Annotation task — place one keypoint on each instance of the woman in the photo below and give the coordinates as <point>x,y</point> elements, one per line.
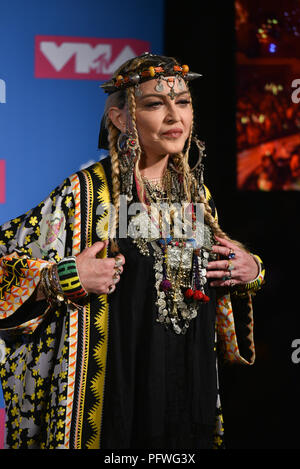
<point>109,310</point>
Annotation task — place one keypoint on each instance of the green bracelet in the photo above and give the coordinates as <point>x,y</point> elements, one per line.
<point>69,279</point>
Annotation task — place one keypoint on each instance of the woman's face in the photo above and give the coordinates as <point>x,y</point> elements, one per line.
<point>163,123</point>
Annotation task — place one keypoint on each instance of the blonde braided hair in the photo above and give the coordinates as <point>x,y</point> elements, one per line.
<point>132,111</point>
<point>113,134</point>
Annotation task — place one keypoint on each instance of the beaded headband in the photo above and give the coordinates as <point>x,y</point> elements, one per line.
<point>165,67</point>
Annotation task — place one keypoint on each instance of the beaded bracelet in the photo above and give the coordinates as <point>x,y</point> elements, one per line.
<point>253,286</point>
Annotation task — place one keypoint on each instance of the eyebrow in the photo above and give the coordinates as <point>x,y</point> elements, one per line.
<point>159,95</point>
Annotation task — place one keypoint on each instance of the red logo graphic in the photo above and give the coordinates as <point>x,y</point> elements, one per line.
<point>83,58</point>
<point>2,181</point>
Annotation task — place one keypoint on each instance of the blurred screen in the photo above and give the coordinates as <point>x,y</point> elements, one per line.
<point>268,94</point>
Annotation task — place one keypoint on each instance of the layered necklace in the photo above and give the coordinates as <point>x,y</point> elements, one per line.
<point>179,261</point>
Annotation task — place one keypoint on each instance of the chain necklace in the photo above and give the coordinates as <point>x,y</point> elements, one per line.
<point>156,189</point>
<point>179,265</point>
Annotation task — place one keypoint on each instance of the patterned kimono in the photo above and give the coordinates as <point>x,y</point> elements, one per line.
<point>69,373</point>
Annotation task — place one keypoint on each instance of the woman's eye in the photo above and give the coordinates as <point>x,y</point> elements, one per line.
<point>183,101</point>
<point>153,104</point>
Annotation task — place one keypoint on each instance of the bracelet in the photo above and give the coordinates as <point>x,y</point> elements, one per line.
<point>69,280</point>
<point>61,282</point>
<point>50,288</point>
<point>255,285</point>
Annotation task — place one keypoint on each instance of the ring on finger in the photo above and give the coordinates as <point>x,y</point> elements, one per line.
<point>231,254</point>
<point>230,265</point>
<point>226,277</point>
<point>110,289</point>
<point>118,262</point>
<point>116,277</point>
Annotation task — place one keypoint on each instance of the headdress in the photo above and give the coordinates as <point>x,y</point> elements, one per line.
<point>131,75</point>
<point>148,67</point>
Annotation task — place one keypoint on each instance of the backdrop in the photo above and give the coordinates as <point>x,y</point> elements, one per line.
<point>54,55</point>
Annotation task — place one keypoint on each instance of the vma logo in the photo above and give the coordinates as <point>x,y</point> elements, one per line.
<point>2,181</point>
<point>83,58</point>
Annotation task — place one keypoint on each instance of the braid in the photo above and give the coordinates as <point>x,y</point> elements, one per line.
<point>132,111</point>
<point>113,134</point>
<point>181,162</point>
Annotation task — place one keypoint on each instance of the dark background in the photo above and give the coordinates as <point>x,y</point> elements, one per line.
<point>260,402</point>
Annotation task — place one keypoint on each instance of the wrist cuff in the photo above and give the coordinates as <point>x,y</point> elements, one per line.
<point>256,284</point>
<point>69,279</point>
<point>60,282</point>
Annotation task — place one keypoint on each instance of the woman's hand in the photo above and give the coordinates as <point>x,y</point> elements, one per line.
<point>227,272</point>
<point>99,275</point>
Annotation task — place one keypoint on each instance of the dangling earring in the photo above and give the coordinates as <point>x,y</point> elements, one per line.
<point>198,169</point>
<point>127,146</point>
<point>126,143</point>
